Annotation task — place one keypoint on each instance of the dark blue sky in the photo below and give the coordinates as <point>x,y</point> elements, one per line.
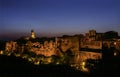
<point>57,17</point>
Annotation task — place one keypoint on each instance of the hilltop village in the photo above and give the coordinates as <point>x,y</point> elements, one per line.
<point>73,50</point>
<point>51,46</point>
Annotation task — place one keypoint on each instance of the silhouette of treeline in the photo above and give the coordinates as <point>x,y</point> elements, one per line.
<point>22,40</point>
<point>2,45</point>
<point>111,35</point>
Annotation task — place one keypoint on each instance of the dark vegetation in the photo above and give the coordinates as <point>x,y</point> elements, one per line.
<point>111,35</point>
<point>11,66</point>
<point>18,67</point>
<point>22,40</point>
<point>2,45</point>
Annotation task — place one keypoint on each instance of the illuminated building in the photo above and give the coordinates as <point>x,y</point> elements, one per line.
<point>32,34</point>
<point>11,46</point>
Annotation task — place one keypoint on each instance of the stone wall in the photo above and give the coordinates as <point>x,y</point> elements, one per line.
<point>91,44</point>
<point>84,55</point>
<point>69,43</point>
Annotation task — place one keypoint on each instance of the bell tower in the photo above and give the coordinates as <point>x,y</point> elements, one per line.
<point>32,34</point>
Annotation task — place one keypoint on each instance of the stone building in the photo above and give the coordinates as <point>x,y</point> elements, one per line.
<point>69,43</point>
<point>91,44</point>
<point>48,48</point>
<point>11,46</point>
<point>93,35</point>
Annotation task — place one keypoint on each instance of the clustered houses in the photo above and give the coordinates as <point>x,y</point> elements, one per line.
<point>93,35</point>
<point>46,49</point>
<point>11,46</point>
<point>95,40</point>
<point>73,43</point>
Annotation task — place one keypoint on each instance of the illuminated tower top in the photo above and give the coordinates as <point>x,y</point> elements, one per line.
<point>32,34</point>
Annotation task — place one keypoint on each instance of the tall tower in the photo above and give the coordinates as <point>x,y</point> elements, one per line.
<point>32,34</point>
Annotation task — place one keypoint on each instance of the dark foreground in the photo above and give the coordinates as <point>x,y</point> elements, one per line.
<point>17,67</point>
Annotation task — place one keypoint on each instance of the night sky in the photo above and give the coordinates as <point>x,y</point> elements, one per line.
<point>57,17</point>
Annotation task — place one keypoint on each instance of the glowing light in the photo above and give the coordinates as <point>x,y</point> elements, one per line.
<point>57,63</point>
<point>83,67</point>
<point>29,59</point>
<point>115,54</point>
<point>114,43</point>
<point>17,55</point>
<point>9,54</point>
<point>82,63</point>
<point>1,52</point>
<point>37,63</point>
